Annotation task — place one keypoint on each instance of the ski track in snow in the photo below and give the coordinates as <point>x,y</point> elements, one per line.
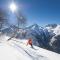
<point>19,51</point>
<point>29,52</point>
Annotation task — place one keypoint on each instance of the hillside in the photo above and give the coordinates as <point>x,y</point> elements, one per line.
<point>16,49</point>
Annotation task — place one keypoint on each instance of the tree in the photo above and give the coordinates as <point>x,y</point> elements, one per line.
<point>3,19</point>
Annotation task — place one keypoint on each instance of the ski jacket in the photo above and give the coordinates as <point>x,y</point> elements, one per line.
<point>29,42</point>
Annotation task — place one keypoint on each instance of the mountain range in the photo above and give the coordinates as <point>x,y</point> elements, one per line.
<point>47,37</point>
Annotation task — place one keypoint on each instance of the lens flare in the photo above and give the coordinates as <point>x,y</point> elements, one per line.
<point>13,7</point>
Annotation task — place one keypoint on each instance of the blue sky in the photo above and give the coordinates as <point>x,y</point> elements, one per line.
<point>42,12</point>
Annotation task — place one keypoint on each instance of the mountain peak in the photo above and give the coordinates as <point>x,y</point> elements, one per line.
<point>52,25</point>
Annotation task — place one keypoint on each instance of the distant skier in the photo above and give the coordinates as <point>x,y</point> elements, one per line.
<point>30,42</point>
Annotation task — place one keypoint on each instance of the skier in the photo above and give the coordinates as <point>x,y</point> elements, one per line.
<point>30,42</point>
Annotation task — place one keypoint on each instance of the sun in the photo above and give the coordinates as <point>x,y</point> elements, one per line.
<point>13,7</point>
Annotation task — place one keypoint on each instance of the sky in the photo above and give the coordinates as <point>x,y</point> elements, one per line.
<point>41,12</point>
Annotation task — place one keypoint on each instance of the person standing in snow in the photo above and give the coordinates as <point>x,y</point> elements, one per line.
<point>30,42</point>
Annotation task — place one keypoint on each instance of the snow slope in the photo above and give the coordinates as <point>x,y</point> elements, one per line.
<point>18,50</point>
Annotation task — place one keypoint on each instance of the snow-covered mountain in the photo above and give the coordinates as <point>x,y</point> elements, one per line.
<point>16,49</point>
<point>55,40</point>
<point>47,37</point>
<point>39,35</point>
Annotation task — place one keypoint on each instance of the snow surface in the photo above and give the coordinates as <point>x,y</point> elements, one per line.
<point>55,30</point>
<point>16,49</point>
